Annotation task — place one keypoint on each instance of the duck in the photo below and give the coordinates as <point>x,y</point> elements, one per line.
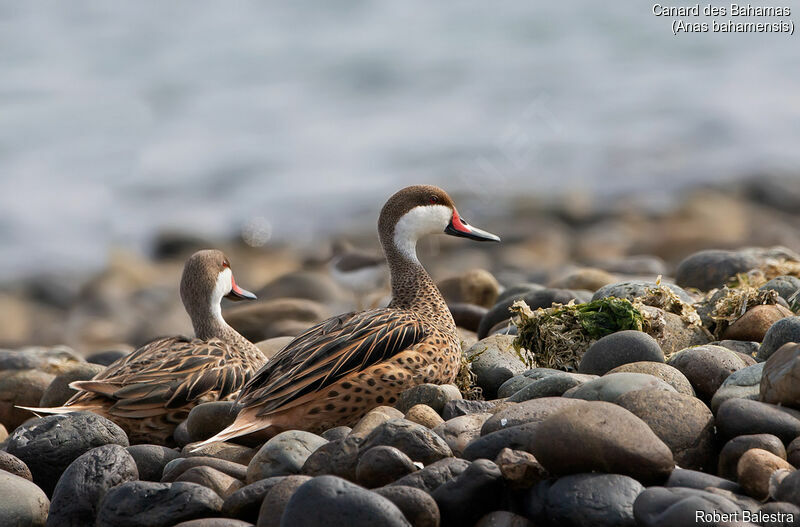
<point>151,390</point>
<point>336,371</point>
<point>357,270</point>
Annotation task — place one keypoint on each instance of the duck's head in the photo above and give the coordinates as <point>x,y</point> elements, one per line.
<point>207,278</point>
<point>424,209</point>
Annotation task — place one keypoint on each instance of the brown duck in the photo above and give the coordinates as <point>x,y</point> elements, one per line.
<point>149,392</point>
<point>341,368</point>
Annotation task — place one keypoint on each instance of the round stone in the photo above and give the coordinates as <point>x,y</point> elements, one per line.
<point>417,506</point>
<point>741,384</point>
<point>276,499</point>
<point>754,324</point>
<point>611,386</point>
<point>706,270</point>
<point>58,391</point>
<point>783,331</point>
<point>21,388</point>
<point>682,422</point>
<point>337,458</point>
<point>326,497</point>
<point>14,465</point>
<point>245,503</point>
<point>737,417</point>
<point>424,415</point>
<point>616,349</point>
<point>755,468</point>
<point>416,441</point>
<point>137,503</point>
<point>785,286</point>
<point>603,437</point>
<point>780,380</point>
<point>593,499</point>
<point>207,419</point>
<point>176,467</point>
<point>733,450</point>
<point>151,460</point>
<point>553,385</point>
<point>665,372</point>
<point>673,506</point>
<point>433,395</point>
<point>533,411</point>
<point>434,475</point>
<point>284,454</point>
<point>459,431</point>
<point>22,503</point>
<point>494,360</point>
<point>473,493</point>
<point>48,445</point>
<point>222,484</point>
<point>81,487</point>
<point>706,367</point>
<point>382,465</point>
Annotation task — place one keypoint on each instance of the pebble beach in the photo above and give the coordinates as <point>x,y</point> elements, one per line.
<point>623,364</point>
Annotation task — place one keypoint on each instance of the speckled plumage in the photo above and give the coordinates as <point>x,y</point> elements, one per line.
<point>338,370</point>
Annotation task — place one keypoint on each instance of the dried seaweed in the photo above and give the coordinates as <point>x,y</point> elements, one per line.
<point>667,300</point>
<point>735,302</point>
<point>466,381</point>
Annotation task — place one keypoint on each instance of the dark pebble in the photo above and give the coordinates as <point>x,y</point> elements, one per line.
<point>381,465</point>
<point>464,407</point>
<point>419,508</point>
<point>473,493</point>
<point>336,433</point>
<point>593,499</point>
<point>416,441</point>
<point>175,468</point>
<point>737,417</point>
<point>467,316</point>
<point>706,270</point>
<point>670,507</point>
<point>706,367</point>
<point>733,450</point>
<point>503,519</point>
<point>518,437</point>
<point>336,458</point>
<point>632,289</point>
<point>138,503</point>
<point>245,503</point>
<point>694,479</point>
<point>214,522</point>
<point>783,331</point>
<point>81,487</point>
<point>151,460</point>
<point>276,500</point>
<point>324,498</point>
<point>207,419</point>
<point>106,358</point>
<point>48,445</point>
<point>616,349</point>
<point>435,474</point>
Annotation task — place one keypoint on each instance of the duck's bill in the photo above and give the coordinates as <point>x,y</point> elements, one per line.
<point>459,227</point>
<point>237,293</point>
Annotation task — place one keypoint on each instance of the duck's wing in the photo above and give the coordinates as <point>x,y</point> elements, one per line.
<point>163,375</point>
<point>330,351</point>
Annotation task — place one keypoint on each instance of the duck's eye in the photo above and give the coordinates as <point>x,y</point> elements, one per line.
<point>433,200</point>
<point>225,263</point>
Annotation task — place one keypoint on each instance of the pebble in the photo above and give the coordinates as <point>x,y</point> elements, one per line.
<point>337,458</point>
<point>741,384</point>
<point>48,445</point>
<point>673,506</point>
<point>710,269</point>
<point>222,484</point>
<point>476,286</point>
<point>793,452</point>
<point>733,450</point>
<point>207,419</point>
<point>276,499</point>
<point>473,493</point>
<point>151,460</point>
<point>284,454</point>
<point>138,503</point>
<point>682,422</point>
<point>459,431</point>
<point>695,479</point>
<point>603,437</point>
<point>783,331</point>
<point>550,386</point>
<point>275,317</point>
<point>419,508</point>
<point>433,395</point>
<point>494,360</point>
<point>488,446</point>
<point>588,278</point>
<point>326,497</point>
<point>785,286</point>
<point>381,465</point>
<point>611,386</point>
<point>746,348</point>
<point>373,418</point>
<point>336,433</point>
<point>22,503</point>
<point>593,499</point>
<point>176,467</point>
<point>464,407</point>
<point>14,465</point>
<point>58,391</point>
<point>620,348</point>
<point>83,484</point>
<point>245,503</point>
<point>532,411</point>
<point>754,470</point>
<point>754,324</point>
<point>677,334</point>
<point>416,441</point>
<point>706,367</point>
<point>21,388</point>
<point>181,435</point>
<point>737,417</point>
<point>3,433</point>
<point>214,522</point>
<point>632,289</point>
<point>780,381</point>
<point>665,372</point>
<point>106,358</point>
<point>432,476</point>
<point>520,469</point>
<point>789,489</point>
<point>467,316</point>
<point>789,512</point>
<point>504,519</point>
<point>424,415</point>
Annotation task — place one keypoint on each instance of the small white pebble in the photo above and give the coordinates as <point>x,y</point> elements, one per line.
<point>503,422</point>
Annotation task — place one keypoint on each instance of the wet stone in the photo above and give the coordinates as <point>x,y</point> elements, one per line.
<point>137,503</point>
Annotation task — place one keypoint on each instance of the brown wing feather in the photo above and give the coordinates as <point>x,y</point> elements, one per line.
<point>165,374</point>
<point>329,351</point>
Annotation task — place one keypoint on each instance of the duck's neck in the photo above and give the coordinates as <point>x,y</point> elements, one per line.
<point>208,324</point>
<point>412,286</point>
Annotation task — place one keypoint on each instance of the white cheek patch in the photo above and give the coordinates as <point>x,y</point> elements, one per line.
<point>417,222</point>
<point>223,287</point>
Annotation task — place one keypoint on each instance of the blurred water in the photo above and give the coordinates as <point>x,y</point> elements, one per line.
<point>117,119</point>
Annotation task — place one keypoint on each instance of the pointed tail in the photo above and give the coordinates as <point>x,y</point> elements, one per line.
<point>243,425</point>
